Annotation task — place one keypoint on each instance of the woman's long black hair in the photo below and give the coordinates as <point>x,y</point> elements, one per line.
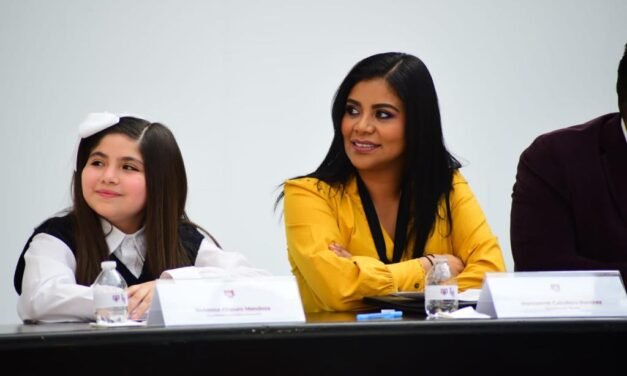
<point>428,168</point>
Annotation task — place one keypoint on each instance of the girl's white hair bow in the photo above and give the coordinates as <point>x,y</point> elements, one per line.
<point>95,122</point>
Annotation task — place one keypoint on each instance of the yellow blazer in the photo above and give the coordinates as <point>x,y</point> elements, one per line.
<point>317,214</point>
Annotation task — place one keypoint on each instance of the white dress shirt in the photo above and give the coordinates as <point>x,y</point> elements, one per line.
<point>49,289</point>
<point>129,249</point>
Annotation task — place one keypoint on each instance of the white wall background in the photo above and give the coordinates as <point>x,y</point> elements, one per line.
<point>246,87</point>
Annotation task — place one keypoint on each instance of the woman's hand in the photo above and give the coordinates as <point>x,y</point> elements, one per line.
<point>339,250</point>
<point>139,299</point>
<point>455,264</point>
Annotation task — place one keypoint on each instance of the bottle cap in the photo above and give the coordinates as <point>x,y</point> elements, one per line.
<point>108,265</point>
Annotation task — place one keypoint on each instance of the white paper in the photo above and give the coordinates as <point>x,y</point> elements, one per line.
<point>464,313</point>
<point>126,323</point>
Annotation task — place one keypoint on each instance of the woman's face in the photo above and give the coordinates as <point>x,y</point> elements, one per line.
<point>373,127</point>
<point>113,182</point>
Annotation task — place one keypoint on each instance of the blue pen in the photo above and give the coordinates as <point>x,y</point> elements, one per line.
<point>383,315</point>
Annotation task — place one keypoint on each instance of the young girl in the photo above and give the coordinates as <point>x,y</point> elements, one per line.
<point>129,192</point>
<point>386,197</point>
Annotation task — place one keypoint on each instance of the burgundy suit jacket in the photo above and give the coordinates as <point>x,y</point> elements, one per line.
<point>569,202</point>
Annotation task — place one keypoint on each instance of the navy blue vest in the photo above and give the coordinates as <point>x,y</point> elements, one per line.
<point>63,229</point>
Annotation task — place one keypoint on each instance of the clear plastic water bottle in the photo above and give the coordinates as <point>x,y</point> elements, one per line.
<point>110,296</point>
<point>440,288</point>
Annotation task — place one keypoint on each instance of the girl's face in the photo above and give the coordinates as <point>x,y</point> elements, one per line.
<point>373,127</point>
<point>114,184</point>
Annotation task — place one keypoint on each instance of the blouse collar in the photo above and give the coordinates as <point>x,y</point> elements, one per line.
<point>114,237</point>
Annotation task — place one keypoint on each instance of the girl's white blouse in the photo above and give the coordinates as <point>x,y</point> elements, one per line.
<point>50,292</point>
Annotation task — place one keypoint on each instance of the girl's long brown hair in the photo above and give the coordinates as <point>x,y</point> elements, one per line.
<point>166,194</point>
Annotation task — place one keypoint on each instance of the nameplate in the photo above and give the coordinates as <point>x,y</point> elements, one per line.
<point>226,301</point>
<point>553,294</point>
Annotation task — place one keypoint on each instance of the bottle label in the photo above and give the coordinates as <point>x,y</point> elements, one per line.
<point>109,296</point>
<point>441,292</point>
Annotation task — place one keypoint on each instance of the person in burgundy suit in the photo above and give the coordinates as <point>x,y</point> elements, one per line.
<point>569,202</point>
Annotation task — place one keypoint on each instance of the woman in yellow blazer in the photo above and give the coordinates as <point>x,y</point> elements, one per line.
<point>387,195</point>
